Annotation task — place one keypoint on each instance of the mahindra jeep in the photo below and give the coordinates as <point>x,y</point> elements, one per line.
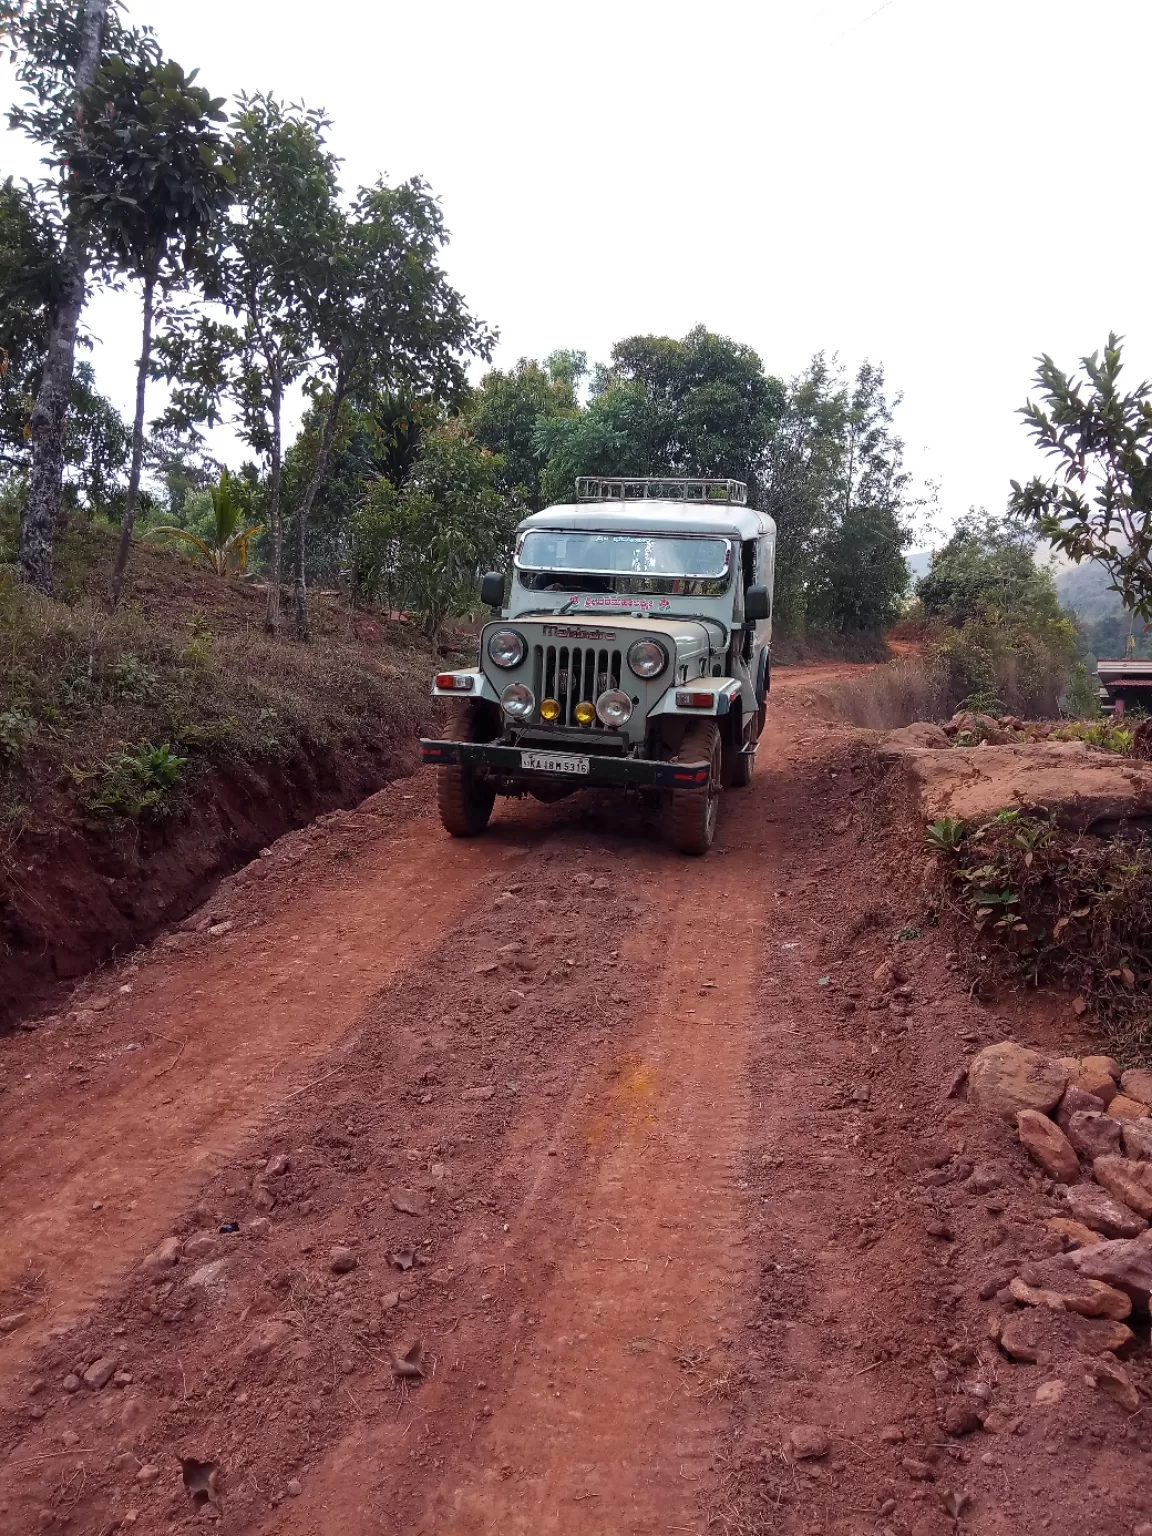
<point>633,653</point>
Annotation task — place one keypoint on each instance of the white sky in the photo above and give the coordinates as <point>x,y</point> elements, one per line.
<point>945,188</point>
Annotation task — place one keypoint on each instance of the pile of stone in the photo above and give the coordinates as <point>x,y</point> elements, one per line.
<point>1089,1128</point>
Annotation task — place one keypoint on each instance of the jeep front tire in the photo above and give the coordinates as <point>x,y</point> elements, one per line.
<point>690,814</point>
<point>464,801</point>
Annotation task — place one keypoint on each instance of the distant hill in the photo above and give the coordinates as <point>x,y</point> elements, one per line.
<point>918,563</point>
<point>1104,621</point>
<point>1085,588</point>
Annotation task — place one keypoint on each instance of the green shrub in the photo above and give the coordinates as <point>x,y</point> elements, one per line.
<point>140,782</point>
<point>16,730</point>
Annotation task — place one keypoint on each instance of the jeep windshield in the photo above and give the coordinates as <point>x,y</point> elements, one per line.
<point>671,565</point>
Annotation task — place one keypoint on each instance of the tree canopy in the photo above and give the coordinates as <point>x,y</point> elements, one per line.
<point>1098,504</point>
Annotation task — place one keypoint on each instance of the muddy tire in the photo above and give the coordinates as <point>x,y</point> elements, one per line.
<point>690,814</point>
<point>465,804</point>
<point>737,765</point>
<point>741,770</point>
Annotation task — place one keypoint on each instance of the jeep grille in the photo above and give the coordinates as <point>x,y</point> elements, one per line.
<point>571,674</point>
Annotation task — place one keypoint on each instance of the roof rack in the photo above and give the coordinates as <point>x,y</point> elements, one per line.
<point>651,488</point>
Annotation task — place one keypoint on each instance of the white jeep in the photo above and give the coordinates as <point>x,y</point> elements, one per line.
<point>633,653</point>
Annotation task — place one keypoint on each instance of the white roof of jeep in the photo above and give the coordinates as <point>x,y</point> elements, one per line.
<point>652,516</point>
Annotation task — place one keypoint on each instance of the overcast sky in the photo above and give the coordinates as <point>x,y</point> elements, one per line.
<point>945,188</point>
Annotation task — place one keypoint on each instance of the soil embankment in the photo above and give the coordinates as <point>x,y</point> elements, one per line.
<point>653,1159</point>
<point>148,753</point>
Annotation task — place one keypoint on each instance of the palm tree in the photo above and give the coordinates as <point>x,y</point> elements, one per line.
<point>226,548</point>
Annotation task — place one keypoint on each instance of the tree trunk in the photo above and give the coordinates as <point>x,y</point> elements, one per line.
<point>46,428</point>
<point>304,510</point>
<point>275,519</point>
<point>129,522</point>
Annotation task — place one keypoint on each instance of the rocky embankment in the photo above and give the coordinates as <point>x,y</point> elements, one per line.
<point>1088,1128</point>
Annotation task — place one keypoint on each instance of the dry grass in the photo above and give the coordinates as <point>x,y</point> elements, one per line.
<point>184,664</point>
<point>909,688</point>
<point>1033,903</point>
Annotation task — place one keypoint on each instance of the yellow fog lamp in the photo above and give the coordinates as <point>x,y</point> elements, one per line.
<point>549,709</point>
<point>585,713</point>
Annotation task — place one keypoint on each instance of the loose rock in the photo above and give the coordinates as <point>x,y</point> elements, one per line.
<point>341,1261</point>
<point>1137,1137</point>
<point>1095,1335</point>
<point>1095,1208</point>
<point>1075,1100</point>
<point>1130,1182</point>
<point>164,1258</point>
<point>13,1321</point>
<point>1137,1084</point>
<point>410,1202</point>
<point>1075,1233</point>
<point>1125,1108</point>
<point>1047,1145</point>
<point>1092,1076</point>
<point>1094,1134</point>
<point>961,1420</point>
<point>100,1373</point>
<point>1110,1377</point>
<point>1050,1392</point>
<point>474,1095</point>
<point>1005,1078</point>
<point>264,1339</point>
<point>808,1442</point>
<point>1124,1264</point>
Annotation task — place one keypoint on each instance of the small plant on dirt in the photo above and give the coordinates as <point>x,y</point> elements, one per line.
<point>983,702</point>
<point>133,679</point>
<point>945,834</point>
<point>16,730</point>
<point>1057,906</point>
<point>141,782</point>
<point>1107,734</point>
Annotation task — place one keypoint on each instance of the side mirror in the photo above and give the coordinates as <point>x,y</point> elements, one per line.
<point>492,590</point>
<point>757,605</point>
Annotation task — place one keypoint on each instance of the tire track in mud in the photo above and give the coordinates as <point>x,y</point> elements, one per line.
<point>94,1172</point>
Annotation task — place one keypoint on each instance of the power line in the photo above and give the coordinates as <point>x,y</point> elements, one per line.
<point>855,27</point>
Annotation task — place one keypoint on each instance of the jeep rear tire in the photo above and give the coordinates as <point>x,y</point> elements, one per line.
<point>690,814</point>
<point>464,801</point>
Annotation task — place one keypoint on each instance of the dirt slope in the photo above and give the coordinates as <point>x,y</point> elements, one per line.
<point>618,1137</point>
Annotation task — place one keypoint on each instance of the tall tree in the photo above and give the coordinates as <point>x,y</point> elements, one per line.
<point>506,408</point>
<point>1098,505</point>
<point>56,47</point>
<point>154,169</point>
<point>702,405</point>
<point>29,284</point>
<point>833,478</point>
<point>242,363</point>
<point>384,316</point>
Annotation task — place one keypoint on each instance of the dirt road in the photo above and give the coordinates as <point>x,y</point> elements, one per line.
<point>545,1183</point>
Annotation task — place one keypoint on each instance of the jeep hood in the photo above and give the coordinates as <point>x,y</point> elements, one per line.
<point>686,636</point>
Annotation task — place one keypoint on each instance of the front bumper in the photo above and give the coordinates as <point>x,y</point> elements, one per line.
<point>603,772</point>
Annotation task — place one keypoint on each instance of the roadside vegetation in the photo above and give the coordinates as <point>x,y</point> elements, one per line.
<point>117,715</point>
<point>1035,904</point>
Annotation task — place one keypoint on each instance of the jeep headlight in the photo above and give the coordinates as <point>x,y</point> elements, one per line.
<point>507,648</point>
<point>517,701</point>
<point>647,658</point>
<point>614,707</point>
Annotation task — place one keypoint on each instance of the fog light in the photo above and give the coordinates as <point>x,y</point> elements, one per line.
<point>517,701</point>
<point>549,709</point>
<point>614,707</point>
<point>584,712</point>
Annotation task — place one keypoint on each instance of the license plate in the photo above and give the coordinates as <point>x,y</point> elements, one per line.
<point>554,762</point>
